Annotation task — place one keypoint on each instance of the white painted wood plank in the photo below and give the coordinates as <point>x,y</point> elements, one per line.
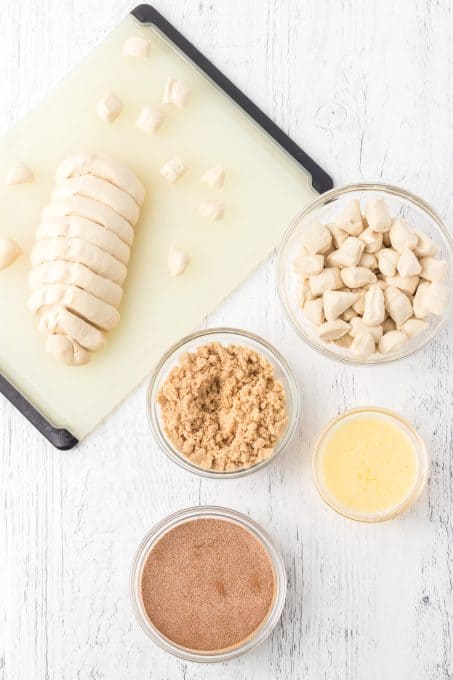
<point>366,89</point>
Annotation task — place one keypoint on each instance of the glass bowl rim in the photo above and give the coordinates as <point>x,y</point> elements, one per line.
<point>420,451</point>
<point>192,513</point>
<point>292,398</point>
<point>318,202</point>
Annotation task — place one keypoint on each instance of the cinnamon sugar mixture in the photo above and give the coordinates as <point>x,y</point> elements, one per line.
<point>208,584</point>
<point>222,407</point>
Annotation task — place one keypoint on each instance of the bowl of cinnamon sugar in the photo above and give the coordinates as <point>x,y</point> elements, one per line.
<point>207,584</point>
<point>222,402</point>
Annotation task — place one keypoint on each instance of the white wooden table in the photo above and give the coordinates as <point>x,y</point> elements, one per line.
<point>366,89</point>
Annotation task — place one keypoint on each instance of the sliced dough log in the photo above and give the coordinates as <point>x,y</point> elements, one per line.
<point>104,167</point>
<point>57,319</point>
<point>66,350</point>
<point>80,227</point>
<point>77,250</point>
<point>80,258</point>
<point>76,300</point>
<point>93,210</point>
<point>99,190</point>
<point>76,274</point>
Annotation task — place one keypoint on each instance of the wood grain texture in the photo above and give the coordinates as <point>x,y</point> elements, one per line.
<point>366,88</point>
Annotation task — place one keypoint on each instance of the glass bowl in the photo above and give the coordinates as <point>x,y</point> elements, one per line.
<point>325,208</point>
<point>224,336</point>
<point>171,522</point>
<point>420,452</point>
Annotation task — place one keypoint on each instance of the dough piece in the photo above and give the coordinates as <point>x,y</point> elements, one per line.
<point>377,215</point>
<point>314,311</point>
<point>374,312</point>
<point>372,240</point>
<point>316,238</point>
<point>176,92</point>
<point>339,236</point>
<point>357,277</point>
<point>93,210</point>
<point>425,246</point>
<point>213,177</point>
<point>75,274</point>
<point>433,269</point>
<point>149,120</point>
<point>212,210</point>
<point>172,170</point>
<point>80,227</point>
<point>368,260</point>
<point>103,167</point>
<point>387,261</point>
<point>413,327</point>
<point>76,250</point>
<point>402,236</point>
<point>336,302</point>
<point>348,254</point>
<point>332,330</point>
<point>392,342</point>
<point>177,261</point>
<point>328,279</point>
<point>363,346</point>
<point>303,292</point>
<point>358,327</point>
<point>76,300</point>
<point>408,264</point>
<point>19,174</point>
<point>66,350</point>
<point>9,252</point>
<point>308,265</point>
<point>99,190</point>
<point>57,319</point>
<point>109,107</point>
<point>350,220</point>
<point>136,47</point>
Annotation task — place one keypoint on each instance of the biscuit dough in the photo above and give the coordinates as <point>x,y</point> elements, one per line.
<point>79,260</point>
<point>9,252</point>
<point>76,274</point>
<point>93,210</point>
<point>77,250</point>
<point>71,226</point>
<point>104,167</point>
<point>66,350</point>
<point>99,190</point>
<point>82,303</point>
<point>19,174</point>
<point>58,319</point>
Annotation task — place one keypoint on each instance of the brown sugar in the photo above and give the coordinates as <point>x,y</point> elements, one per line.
<point>222,407</point>
<point>208,584</point>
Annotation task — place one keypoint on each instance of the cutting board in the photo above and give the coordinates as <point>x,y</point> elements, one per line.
<point>268,180</point>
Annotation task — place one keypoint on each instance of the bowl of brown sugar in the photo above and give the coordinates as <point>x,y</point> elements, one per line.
<point>207,584</point>
<point>223,403</point>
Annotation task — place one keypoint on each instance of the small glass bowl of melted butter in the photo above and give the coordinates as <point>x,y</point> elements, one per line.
<point>370,464</point>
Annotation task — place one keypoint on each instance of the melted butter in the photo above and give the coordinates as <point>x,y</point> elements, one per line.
<point>369,464</point>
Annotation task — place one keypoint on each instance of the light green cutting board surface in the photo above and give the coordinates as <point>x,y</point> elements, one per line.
<point>264,189</point>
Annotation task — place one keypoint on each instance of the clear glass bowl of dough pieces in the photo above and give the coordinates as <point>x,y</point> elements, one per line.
<point>225,337</point>
<point>326,209</point>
